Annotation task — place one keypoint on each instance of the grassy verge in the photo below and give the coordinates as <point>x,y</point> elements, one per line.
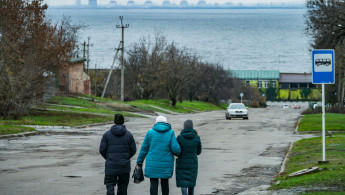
<point>199,106</point>
<point>90,97</point>
<point>184,107</point>
<point>74,102</point>
<point>148,105</point>
<point>306,153</point>
<point>57,118</point>
<point>11,129</point>
<point>313,122</point>
<point>93,110</point>
<point>164,104</point>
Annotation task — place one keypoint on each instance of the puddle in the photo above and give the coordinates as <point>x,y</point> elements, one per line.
<point>72,176</point>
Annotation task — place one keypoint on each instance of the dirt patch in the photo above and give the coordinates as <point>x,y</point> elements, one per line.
<point>254,176</point>
<point>274,152</point>
<point>249,178</point>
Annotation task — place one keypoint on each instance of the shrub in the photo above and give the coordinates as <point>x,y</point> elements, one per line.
<point>255,104</point>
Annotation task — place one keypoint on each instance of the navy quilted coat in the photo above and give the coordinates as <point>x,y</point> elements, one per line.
<point>117,147</point>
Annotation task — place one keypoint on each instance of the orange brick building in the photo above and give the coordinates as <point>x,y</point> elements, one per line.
<point>73,79</point>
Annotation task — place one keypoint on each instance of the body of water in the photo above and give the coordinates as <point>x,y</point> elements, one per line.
<point>258,39</point>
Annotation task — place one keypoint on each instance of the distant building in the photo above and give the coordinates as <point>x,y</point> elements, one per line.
<point>148,3</point>
<point>184,3</point>
<point>280,86</point>
<point>92,3</point>
<point>112,4</point>
<point>166,3</point>
<point>130,3</point>
<point>229,4</point>
<point>201,3</point>
<point>73,79</point>
<point>78,3</point>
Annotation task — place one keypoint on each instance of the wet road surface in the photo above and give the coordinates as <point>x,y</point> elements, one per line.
<point>238,155</point>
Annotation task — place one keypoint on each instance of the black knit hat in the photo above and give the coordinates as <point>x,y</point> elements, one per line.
<point>119,120</point>
<point>188,124</point>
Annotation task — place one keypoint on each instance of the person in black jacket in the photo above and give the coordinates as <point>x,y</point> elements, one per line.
<point>117,148</point>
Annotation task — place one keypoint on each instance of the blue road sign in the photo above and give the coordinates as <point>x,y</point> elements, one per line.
<point>323,66</point>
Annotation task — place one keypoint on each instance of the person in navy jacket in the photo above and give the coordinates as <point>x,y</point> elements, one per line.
<point>159,147</point>
<point>117,148</point>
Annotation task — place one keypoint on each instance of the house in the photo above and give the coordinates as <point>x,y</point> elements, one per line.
<point>280,86</point>
<point>258,78</point>
<point>297,86</point>
<point>73,79</point>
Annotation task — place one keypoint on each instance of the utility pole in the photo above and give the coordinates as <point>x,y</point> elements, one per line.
<point>122,58</point>
<point>84,44</point>
<point>87,55</point>
<point>111,69</point>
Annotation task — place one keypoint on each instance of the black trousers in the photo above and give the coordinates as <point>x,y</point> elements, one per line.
<point>121,180</point>
<point>154,186</point>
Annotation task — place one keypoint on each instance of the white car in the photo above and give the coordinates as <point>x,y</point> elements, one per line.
<point>286,106</point>
<point>236,110</point>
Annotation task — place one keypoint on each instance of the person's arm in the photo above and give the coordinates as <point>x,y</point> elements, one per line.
<point>199,147</point>
<point>103,148</point>
<point>174,145</point>
<point>132,146</point>
<point>144,149</point>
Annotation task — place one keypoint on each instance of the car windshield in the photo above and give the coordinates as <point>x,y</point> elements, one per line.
<point>237,106</point>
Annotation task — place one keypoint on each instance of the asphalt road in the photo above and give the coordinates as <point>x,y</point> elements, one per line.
<point>238,155</point>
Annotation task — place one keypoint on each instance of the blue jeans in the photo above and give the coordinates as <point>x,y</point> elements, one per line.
<point>190,191</point>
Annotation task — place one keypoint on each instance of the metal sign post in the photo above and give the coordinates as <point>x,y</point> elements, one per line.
<point>323,73</point>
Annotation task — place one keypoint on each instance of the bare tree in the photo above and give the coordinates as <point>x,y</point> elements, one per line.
<point>31,52</point>
<point>325,21</point>
<point>143,66</point>
<point>164,70</point>
<point>177,71</point>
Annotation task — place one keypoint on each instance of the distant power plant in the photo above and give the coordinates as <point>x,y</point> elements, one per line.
<point>78,3</point>
<point>202,3</point>
<point>166,3</point>
<point>113,3</point>
<point>184,3</point>
<point>171,4</point>
<point>130,3</point>
<point>148,3</point>
<point>93,3</point>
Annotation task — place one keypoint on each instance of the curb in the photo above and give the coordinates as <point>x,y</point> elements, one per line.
<point>23,135</point>
<point>282,168</point>
<point>299,120</point>
<point>20,135</point>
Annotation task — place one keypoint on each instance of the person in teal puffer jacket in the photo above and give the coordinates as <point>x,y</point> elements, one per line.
<point>187,162</point>
<point>159,147</point>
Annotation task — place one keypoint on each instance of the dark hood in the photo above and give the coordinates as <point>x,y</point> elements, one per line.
<point>118,130</point>
<point>188,133</point>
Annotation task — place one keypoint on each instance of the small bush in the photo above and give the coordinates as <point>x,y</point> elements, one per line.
<point>255,104</point>
<point>317,110</point>
<point>336,109</point>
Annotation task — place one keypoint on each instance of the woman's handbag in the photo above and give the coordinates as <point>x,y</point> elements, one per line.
<point>138,174</point>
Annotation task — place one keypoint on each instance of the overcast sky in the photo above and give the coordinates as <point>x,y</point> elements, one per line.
<point>71,2</point>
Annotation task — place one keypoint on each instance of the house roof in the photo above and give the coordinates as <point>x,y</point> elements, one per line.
<point>76,60</point>
<point>295,78</point>
<point>256,74</point>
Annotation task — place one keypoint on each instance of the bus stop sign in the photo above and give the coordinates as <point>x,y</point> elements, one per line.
<point>323,66</point>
